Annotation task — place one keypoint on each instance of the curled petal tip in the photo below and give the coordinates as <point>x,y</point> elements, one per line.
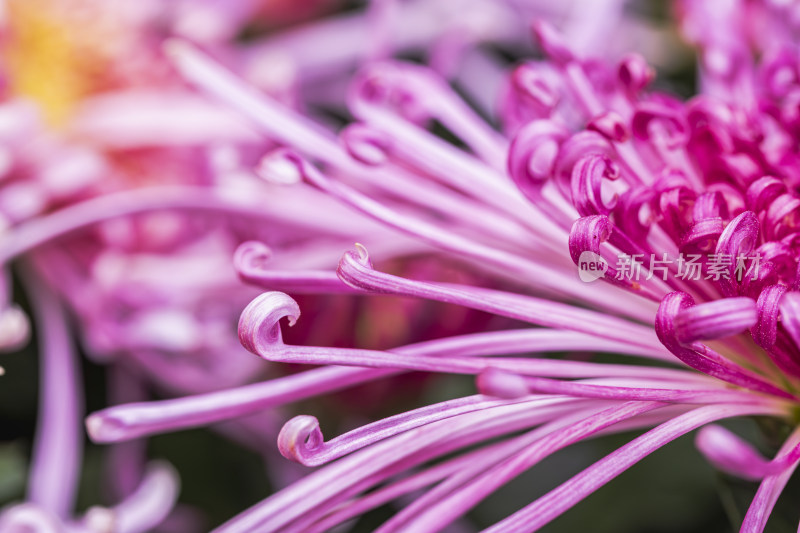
<point>501,384</point>
<point>669,308</point>
<point>552,42</point>
<point>298,437</point>
<point>634,73</point>
<point>259,324</point>
<point>363,254</point>
<point>409,90</point>
<point>355,269</point>
<point>587,234</point>
<point>161,474</point>
<point>280,166</point>
<point>740,235</point>
<point>731,454</point>
<point>765,331</point>
<point>99,518</point>
<point>365,144</point>
<point>541,160</point>
<point>15,328</point>
<point>250,256</point>
<point>611,126</point>
<point>577,147</point>
<point>533,154</point>
<point>737,240</point>
<point>103,428</point>
<point>702,237</point>
<point>587,185</point>
<point>531,84</point>
<point>651,118</point>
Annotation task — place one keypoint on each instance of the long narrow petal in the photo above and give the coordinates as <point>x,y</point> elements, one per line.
<point>301,439</point>
<point>539,275</point>
<point>498,382</point>
<point>555,502</point>
<point>131,420</point>
<point>58,447</point>
<point>359,471</point>
<point>355,270</point>
<point>260,332</point>
<point>433,512</point>
<point>42,230</point>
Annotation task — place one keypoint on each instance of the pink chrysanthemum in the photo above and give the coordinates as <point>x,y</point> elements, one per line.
<point>589,161</point>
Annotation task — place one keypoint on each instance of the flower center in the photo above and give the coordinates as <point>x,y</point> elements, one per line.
<point>56,53</point>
